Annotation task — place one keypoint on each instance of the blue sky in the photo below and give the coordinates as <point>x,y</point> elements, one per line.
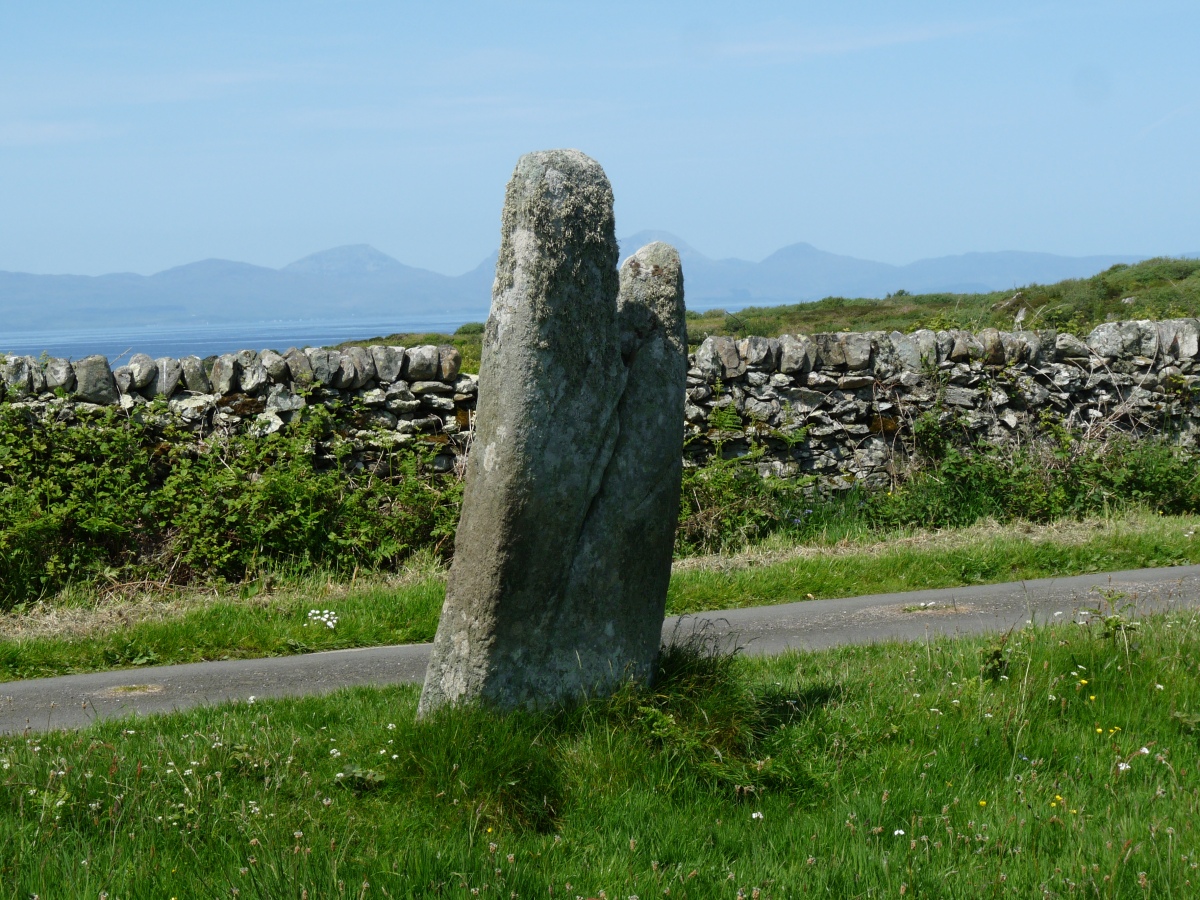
<point>138,136</point>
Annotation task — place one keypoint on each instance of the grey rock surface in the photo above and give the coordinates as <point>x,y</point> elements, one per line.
<point>94,380</point>
<point>422,363</point>
<point>299,366</point>
<point>616,593</point>
<point>168,373</point>
<point>225,372</point>
<point>60,374</point>
<point>276,366</point>
<point>195,379</point>
<point>323,365</point>
<point>142,371</point>
<point>449,362</point>
<point>16,377</point>
<point>254,377</point>
<point>389,363</point>
<point>550,380</point>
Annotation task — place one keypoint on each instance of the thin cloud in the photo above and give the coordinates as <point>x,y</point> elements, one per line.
<point>1178,113</point>
<point>797,48</point>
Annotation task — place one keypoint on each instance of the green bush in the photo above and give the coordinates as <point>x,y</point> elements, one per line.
<point>121,500</point>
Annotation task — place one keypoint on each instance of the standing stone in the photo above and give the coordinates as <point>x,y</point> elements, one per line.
<point>94,381</point>
<point>551,378</point>
<point>617,590</point>
<point>195,379</point>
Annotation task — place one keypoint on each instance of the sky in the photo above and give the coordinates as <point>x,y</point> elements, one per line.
<point>139,136</point>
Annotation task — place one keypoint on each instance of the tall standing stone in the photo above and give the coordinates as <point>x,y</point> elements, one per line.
<point>551,379</point>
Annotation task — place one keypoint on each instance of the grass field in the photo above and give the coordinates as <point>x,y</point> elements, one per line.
<point>89,631</point>
<point>1060,762</point>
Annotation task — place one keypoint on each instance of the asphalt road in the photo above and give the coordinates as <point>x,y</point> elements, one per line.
<point>73,701</point>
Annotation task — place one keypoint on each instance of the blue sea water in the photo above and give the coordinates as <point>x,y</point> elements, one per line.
<point>203,339</point>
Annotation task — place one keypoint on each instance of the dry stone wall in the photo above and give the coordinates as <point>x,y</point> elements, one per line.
<point>841,407</point>
<point>404,394</point>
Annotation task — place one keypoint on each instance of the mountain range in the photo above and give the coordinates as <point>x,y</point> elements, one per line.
<point>358,281</point>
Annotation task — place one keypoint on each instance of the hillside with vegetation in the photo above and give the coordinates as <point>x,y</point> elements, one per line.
<point>1159,288</point>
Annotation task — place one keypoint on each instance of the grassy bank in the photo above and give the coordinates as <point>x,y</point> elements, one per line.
<point>271,617</point>
<point>1062,762</point>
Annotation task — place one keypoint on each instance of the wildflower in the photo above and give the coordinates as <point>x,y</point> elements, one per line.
<point>1123,767</point>
<point>335,752</point>
<point>982,803</point>
<point>297,834</point>
<point>391,726</point>
<point>1145,751</point>
<point>1052,697</point>
<point>1158,687</point>
<point>756,815</point>
<point>250,699</point>
<point>899,832</point>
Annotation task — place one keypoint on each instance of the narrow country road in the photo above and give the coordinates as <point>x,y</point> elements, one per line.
<point>73,701</point>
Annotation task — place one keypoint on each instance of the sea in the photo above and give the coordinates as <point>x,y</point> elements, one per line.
<point>208,339</point>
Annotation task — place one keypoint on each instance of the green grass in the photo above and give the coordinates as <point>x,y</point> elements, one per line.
<point>1136,542</point>
<point>1159,288</point>
<point>957,768</point>
<point>245,622</point>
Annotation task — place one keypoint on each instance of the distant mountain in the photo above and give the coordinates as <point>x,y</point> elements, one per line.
<point>801,272</point>
<point>346,282</point>
<point>358,281</point>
